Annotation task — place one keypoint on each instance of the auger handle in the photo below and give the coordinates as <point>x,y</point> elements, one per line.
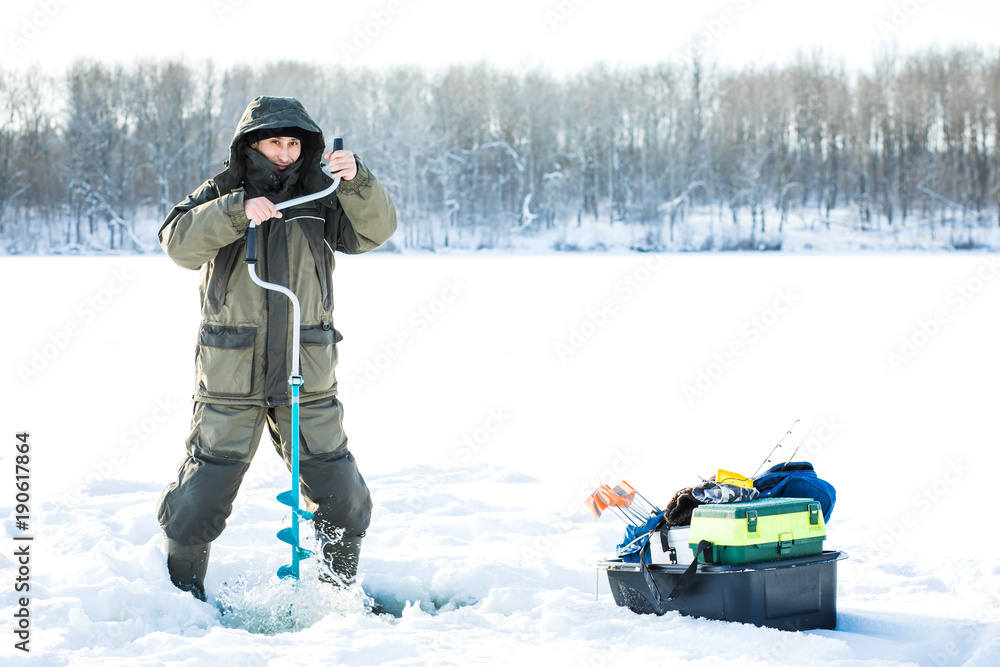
<point>251,244</point>
<point>251,258</point>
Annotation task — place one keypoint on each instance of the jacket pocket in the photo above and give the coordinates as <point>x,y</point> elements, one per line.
<point>319,358</point>
<point>224,365</point>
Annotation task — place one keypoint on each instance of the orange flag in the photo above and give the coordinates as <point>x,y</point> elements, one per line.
<point>596,504</point>
<point>613,498</point>
<point>627,488</point>
<point>625,491</point>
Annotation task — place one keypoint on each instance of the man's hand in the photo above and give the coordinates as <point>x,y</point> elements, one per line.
<point>342,164</point>
<point>260,209</point>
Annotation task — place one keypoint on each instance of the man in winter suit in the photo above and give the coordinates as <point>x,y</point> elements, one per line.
<point>244,353</point>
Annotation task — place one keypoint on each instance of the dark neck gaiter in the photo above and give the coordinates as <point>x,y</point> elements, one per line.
<point>264,179</point>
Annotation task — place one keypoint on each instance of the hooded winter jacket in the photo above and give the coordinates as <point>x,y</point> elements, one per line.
<point>243,354</point>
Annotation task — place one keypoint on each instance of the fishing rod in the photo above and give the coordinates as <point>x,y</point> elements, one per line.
<point>767,459</point>
<point>799,446</point>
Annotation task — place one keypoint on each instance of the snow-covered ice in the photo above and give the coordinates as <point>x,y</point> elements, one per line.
<point>486,396</point>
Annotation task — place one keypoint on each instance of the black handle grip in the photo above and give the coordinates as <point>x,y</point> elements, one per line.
<point>338,143</point>
<point>251,245</point>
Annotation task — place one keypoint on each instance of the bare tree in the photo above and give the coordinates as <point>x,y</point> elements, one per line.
<point>473,154</point>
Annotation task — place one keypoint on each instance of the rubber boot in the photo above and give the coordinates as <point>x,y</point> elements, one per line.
<point>187,565</point>
<point>340,558</point>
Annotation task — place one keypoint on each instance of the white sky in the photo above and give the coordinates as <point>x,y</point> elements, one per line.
<point>561,35</point>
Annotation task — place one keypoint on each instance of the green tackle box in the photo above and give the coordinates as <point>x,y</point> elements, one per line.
<point>757,531</point>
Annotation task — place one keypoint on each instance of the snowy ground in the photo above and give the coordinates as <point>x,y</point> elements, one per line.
<point>486,396</point>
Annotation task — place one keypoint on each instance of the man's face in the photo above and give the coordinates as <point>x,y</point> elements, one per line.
<point>282,151</point>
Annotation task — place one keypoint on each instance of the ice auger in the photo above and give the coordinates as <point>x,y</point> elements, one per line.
<point>290,498</point>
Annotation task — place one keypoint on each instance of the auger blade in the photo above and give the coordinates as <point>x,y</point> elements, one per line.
<point>291,571</point>
<point>288,536</point>
<point>285,498</point>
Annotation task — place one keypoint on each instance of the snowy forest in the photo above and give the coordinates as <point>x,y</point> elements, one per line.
<point>680,156</point>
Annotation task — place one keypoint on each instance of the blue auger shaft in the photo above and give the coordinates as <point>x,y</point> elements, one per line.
<point>295,381</point>
<point>290,498</point>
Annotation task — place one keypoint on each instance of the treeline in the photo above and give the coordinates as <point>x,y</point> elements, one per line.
<point>89,158</point>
